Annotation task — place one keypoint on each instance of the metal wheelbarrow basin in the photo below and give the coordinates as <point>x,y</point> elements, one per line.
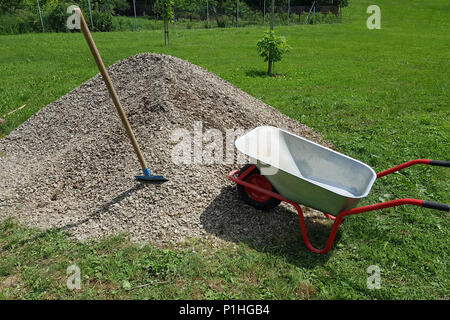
<point>286,167</point>
<point>306,172</point>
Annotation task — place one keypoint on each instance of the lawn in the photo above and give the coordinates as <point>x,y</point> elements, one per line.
<point>380,96</point>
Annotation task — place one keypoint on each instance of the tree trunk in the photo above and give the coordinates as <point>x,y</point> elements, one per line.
<point>166,33</point>
<point>269,69</point>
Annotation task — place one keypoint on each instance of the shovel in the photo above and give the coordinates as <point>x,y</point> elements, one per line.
<point>115,98</point>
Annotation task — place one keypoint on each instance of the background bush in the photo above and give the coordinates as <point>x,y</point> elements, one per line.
<point>103,21</point>
<point>22,21</point>
<point>55,18</point>
<point>21,16</point>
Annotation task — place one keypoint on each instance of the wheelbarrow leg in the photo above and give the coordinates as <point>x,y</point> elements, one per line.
<point>377,206</point>
<point>304,231</point>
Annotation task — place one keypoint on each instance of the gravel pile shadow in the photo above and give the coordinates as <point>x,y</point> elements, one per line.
<point>71,165</point>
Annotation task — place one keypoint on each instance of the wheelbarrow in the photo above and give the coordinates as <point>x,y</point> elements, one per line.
<point>289,168</point>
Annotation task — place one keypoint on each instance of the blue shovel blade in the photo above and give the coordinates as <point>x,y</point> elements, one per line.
<point>148,177</point>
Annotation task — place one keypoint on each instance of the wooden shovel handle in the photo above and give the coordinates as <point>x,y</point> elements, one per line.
<point>109,85</point>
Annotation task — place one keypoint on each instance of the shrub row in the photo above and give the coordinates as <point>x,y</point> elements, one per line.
<point>24,21</point>
<point>54,19</point>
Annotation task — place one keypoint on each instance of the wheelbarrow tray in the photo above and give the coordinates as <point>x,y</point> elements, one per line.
<point>306,172</point>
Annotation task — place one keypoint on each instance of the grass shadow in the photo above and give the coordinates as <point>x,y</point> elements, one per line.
<point>255,73</point>
<point>275,232</point>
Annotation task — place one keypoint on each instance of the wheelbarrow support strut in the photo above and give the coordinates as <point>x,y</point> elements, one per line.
<point>338,219</point>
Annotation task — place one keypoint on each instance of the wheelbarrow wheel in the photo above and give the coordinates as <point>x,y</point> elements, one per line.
<point>256,199</point>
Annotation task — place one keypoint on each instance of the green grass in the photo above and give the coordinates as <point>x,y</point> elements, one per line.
<point>380,96</point>
<point>114,268</point>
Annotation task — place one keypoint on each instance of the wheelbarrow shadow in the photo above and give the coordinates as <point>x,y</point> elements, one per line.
<point>275,232</point>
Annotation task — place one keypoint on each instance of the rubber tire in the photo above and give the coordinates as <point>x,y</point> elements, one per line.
<point>267,205</point>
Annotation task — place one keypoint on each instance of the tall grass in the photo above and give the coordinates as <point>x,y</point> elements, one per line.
<point>22,21</point>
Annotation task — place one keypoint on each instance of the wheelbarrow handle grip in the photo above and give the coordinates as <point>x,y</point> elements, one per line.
<point>440,163</point>
<point>411,163</point>
<point>436,205</point>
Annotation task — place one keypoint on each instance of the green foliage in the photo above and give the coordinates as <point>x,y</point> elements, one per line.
<point>109,6</point>
<point>223,21</point>
<point>55,15</point>
<point>21,16</point>
<point>22,21</point>
<point>321,18</point>
<point>190,9</point>
<point>341,3</point>
<point>225,12</point>
<point>272,47</point>
<point>120,5</point>
<point>10,5</point>
<point>165,9</point>
<point>102,21</point>
<point>55,18</point>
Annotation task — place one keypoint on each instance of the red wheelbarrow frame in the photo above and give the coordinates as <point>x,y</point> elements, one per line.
<point>338,219</point>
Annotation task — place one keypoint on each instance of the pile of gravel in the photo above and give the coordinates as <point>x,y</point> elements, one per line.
<point>71,164</point>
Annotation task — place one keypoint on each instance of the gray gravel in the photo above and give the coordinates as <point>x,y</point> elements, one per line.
<point>71,165</point>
